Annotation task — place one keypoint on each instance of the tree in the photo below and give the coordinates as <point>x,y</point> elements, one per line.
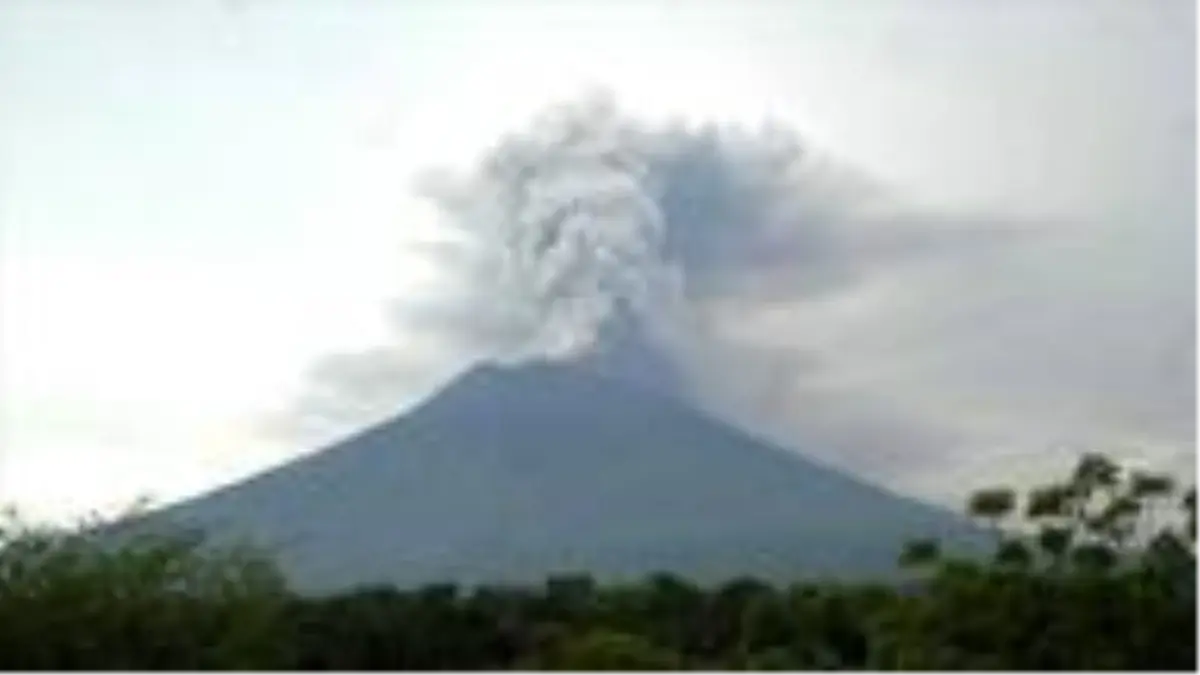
<point>919,554</point>
<point>1079,579</point>
<point>992,505</point>
<point>604,650</point>
<point>1106,589</point>
<point>70,600</point>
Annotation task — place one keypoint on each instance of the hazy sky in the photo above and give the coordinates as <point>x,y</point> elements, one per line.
<point>200,200</point>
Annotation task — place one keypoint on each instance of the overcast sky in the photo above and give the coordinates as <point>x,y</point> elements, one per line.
<point>201,200</point>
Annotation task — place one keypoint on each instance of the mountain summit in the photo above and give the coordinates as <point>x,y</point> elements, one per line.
<point>511,474</point>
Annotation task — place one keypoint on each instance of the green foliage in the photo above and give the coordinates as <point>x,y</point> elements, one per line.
<point>1142,484</point>
<point>920,553</point>
<point>1086,582</point>
<point>1095,575</point>
<point>69,601</point>
<point>599,649</point>
<point>992,504</point>
<point>1014,554</point>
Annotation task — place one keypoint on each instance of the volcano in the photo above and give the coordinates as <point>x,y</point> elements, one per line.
<point>511,474</point>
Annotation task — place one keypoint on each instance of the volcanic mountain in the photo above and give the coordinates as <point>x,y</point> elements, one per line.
<point>511,474</point>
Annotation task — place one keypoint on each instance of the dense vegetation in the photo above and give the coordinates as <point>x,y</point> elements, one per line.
<point>1094,572</point>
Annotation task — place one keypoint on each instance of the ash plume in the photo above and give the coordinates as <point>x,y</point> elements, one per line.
<point>590,234</point>
<point>642,251</point>
<point>595,238</point>
<point>753,276</point>
<point>562,232</point>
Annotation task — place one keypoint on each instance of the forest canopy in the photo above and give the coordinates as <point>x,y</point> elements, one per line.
<point>1094,571</point>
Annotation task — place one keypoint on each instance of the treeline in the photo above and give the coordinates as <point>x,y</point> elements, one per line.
<point>1094,572</point>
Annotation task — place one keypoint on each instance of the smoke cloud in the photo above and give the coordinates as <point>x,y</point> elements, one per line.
<point>560,228</point>
<point>589,226</point>
<point>753,276</point>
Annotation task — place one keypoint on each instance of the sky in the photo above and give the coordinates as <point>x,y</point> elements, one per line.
<point>201,202</point>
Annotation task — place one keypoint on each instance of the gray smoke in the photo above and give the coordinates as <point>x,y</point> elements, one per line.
<point>745,270</point>
<point>641,250</point>
<point>559,227</point>
<point>747,273</point>
<point>589,226</point>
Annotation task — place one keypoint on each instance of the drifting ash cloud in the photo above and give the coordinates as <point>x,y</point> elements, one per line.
<point>758,279</point>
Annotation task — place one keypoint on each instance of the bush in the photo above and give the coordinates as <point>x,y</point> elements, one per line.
<point>69,601</point>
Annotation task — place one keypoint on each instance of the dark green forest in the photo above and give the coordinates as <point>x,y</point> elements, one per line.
<point>1096,571</point>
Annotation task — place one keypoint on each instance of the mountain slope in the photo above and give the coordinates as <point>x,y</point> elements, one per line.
<point>512,474</point>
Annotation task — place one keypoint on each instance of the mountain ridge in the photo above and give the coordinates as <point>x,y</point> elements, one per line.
<point>512,473</point>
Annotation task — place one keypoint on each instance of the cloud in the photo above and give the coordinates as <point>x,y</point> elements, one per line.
<point>999,362</point>
<point>588,215</point>
<point>781,288</point>
<point>755,277</point>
